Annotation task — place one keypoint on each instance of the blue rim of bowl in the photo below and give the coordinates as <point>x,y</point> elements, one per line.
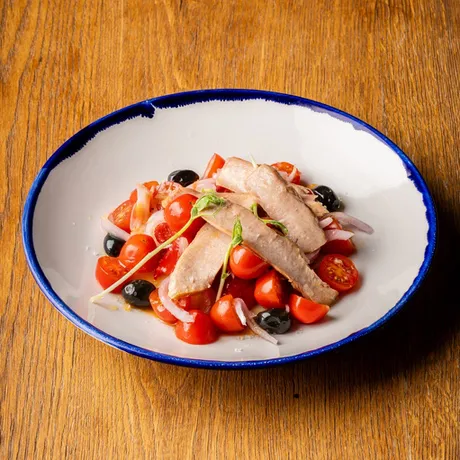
<point>147,109</point>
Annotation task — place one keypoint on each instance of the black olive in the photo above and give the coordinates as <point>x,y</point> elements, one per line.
<point>183,177</point>
<point>274,321</point>
<point>137,293</point>
<point>328,198</point>
<point>112,245</point>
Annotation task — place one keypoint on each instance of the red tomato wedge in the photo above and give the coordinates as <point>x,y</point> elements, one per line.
<point>168,261</point>
<point>288,168</point>
<point>224,316</point>
<point>109,271</point>
<point>306,311</point>
<point>121,216</point>
<point>163,232</point>
<point>200,332</point>
<point>215,163</point>
<point>135,249</point>
<point>339,272</point>
<point>271,290</point>
<point>344,247</point>
<point>245,264</point>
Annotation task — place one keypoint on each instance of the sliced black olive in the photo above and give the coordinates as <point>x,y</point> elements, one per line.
<point>137,293</point>
<point>183,177</point>
<point>274,321</point>
<point>112,245</point>
<point>327,197</point>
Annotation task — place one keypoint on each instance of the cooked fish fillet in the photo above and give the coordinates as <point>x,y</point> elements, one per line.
<point>280,252</point>
<point>198,266</point>
<point>274,195</point>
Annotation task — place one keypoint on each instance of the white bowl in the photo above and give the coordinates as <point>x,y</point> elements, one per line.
<point>98,167</point>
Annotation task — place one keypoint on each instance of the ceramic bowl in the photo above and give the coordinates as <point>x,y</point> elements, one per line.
<point>97,168</point>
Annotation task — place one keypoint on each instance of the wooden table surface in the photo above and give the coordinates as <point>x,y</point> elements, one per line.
<point>394,394</point>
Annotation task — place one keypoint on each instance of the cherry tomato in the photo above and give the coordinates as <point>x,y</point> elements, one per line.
<point>108,271</point>
<point>271,290</point>
<point>339,272</point>
<point>306,311</point>
<point>224,316</point>
<point>334,225</point>
<point>177,214</point>
<point>244,289</point>
<point>168,261</point>
<point>149,185</point>
<point>202,300</point>
<point>344,247</point>
<point>245,264</point>
<point>286,167</point>
<point>215,163</point>
<point>200,332</point>
<point>135,249</point>
<point>163,232</point>
<point>161,311</point>
<point>121,216</point>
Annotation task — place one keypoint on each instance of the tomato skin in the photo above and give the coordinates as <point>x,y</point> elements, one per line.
<point>224,316</point>
<point>271,290</point>
<point>245,264</point>
<point>201,332</point>
<point>177,214</point>
<point>244,289</point>
<point>344,247</point>
<point>135,249</point>
<point>286,167</point>
<point>168,261</point>
<point>215,163</point>
<point>121,216</point>
<point>163,232</point>
<point>108,271</point>
<point>202,300</point>
<point>339,272</point>
<point>161,311</point>
<point>306,311</point>
<point>334,225</point>
<point>149,185</point>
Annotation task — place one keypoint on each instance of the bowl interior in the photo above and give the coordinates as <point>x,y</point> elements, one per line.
<point>371,178</point>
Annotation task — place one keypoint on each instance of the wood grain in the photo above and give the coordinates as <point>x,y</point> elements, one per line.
<point>394,394</point>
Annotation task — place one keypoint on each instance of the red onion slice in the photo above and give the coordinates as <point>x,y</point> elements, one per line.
<point>254,326</point>
<point>292,175</point>
<point>154,220</point>
<point>325,222</point>
<point>346,219</point>
<point>111,228</point>
<point>204,184</point>
<point>337,234</point>
<point>239,310</point>
<point>141,209</point>
<point>176,311</point>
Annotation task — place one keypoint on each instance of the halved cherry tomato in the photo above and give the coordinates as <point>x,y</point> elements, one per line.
<point>245,264</point>
<point>200,332</point>
<point>161,311</point>
<point>163,232</point>
<point>344,247</point>
<point>286,167</point>
<point>271,290</point>
<point>177,214</point>
<point>168,261</point>
<point>224,316</point>
<point>149,185</point>
<point>135,249</point>
<point>121,216</point>
<point>339,272</point>
<point>202,300</point>
<point>306,311</point>
<point>109,271</point>
<point>215,163</point>
<point>244,289</point>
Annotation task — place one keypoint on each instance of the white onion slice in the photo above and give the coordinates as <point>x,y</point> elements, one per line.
<point>204,184</point>
<point>292,175</point>
<point>255,327</point>
<point>337,234</point>
<point>154,220</point>
<point>346,219</point>
<point>141,209</point>
<point>176,311</point>
<point>182,244</point>
<point>325,222</point>
<point>111,228</point>
<point>239,310</point>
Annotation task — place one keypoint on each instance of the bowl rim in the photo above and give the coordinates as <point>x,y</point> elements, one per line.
<point>147,108</point>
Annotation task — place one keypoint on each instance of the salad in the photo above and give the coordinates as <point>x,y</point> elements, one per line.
<point>243,247</point>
